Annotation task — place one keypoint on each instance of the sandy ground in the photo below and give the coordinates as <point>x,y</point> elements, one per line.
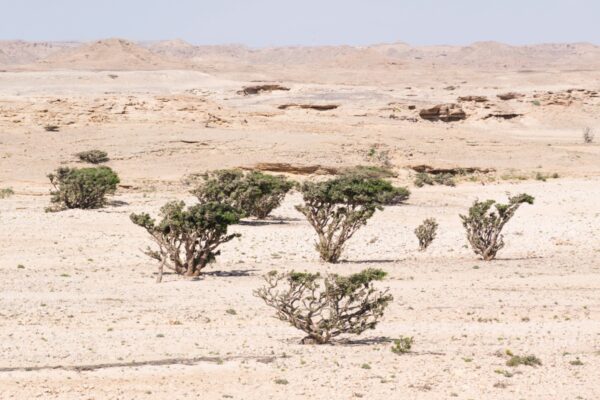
<point>81,316</point>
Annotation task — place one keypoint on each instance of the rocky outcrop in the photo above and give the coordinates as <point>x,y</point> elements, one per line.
<point>452,171</point>
<point>510,96</point>
<point>248,90</point>
<point>476,99</point>
<point>503,115</point>
<point>444,112</point>
<point>318,107</point>
<point>293,169</point>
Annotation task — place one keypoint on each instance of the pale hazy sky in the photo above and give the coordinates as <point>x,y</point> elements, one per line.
<point>307,22</point>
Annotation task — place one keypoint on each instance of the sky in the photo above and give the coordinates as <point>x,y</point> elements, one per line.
<point>260,23</point>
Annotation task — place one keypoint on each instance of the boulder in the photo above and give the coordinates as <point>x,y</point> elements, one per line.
<point>444,112</point>
<point>476,99</point>
<point>249,90</point>
<point>510,96</point>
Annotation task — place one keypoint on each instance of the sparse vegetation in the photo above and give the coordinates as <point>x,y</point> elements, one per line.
<point>402,345</point>
<point>82,188</point>
<point>254,194</point>
<point>530,361</point>
<point>6,193</point>
<point>588,135</point>
<point>369,171</point>
<point>423,178</point>
<point>188,239</point>
<point>381,157</point>
<point>325,308</point>
<point>426,232</point>
<point>93,156</point>
<point>505,373</point>
<point>337,208</point>
<point>484,225</point>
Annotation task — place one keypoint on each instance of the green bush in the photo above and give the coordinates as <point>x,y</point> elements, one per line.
<point>82,188</point>
<point>255,194</point>
<point>402,345</point>
<point>369,171</point>
<point>484,225</point>
<point>530,361</point>
<point>188,239</point>
<point>6,193</point>
<point>426,232</point>
<point>337,208</point>
<point>93,156</point>
<point>423,178</point>
<point>325,308</point>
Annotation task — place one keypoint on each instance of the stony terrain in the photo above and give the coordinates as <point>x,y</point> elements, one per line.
<point>81,316</point>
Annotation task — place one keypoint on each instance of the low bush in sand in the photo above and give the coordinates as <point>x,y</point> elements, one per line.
<point>588,135</point>
<point>402,345</point>
<point>484,224</point>
<point>93,156</point>
<point>423,178</point>
<point>326,307</point>
<point>337,208</point>
<point>529,360</point>
<point>254,193</point>
<point>82,187</point>
<point>426,232</point>
<point>188,238</point>
<point>6,193</point>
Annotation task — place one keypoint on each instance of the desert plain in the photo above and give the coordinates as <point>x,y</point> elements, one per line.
<point>81,316</point>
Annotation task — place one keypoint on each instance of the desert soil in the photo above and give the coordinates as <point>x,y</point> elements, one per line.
<point>81,316</point>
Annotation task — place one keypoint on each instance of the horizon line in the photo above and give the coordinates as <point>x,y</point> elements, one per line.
<point>399,42</point>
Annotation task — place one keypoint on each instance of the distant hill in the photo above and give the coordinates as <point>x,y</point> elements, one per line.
<point>109,54</point>
<point>20,52</point>
<point>119,54</point>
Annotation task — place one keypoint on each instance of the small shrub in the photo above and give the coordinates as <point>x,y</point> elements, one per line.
<point>423,178</point>
<point>82,188</point>
<point>370,171</point>
<point>382,157</point>
<point>255,194</point>
<point>51,128</point>
<point>402,345</point>
<point>188,239</point>
<point>337,208</point>
<point>325,308</point>
<point>588,135</point>
<point>6,193</point>
<point>93,156</point>
<point>445,179</point>
<point>505,373</point>
<point>529,360</point>
<point>541,177</point>
<point>484,226</point>
<point>426,232</point>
